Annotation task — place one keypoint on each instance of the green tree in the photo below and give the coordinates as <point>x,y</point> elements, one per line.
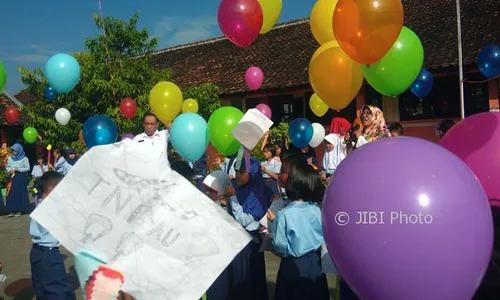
<point>116,65</point>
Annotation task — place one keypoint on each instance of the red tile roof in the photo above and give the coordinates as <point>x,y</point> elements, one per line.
<point>283,54</point>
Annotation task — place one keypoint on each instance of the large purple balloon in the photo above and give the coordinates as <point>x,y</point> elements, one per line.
<point>428,230</point>
<point>476,140</point>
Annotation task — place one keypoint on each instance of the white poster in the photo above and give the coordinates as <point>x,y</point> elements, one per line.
<point>168,239</point>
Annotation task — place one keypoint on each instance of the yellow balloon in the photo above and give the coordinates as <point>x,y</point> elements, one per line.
<point>165,100</point>
<point>335,77</point>
<point>190,105</point>
<point>317,105</point>
<point>326,46</point>
<point>271,11</point>
<point>321,21</point>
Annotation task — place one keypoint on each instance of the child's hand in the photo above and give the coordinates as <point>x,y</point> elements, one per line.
<point>218,160</point>
<point>270,215</point>
<point>229,192</point>
<point>223,201</point>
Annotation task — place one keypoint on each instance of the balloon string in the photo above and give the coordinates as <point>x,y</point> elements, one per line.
<point>481,81</point>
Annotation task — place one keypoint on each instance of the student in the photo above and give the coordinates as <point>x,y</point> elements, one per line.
<point>199,171</point>
<point>71,157</point>
<point>270,168</point>
<point>48,273</point>
<point>60,166</point>
<point>297,235</point>
<point>17,188</point>
<point>288,161</point>
<point>334,154</point>
<point>37,172</point>
<point>396,129</point>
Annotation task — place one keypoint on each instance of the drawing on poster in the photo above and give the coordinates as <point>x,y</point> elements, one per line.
<point>96,227</point>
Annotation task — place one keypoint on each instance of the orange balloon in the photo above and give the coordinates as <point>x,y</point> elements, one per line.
<point>334,77</point>
<point>367,29</point>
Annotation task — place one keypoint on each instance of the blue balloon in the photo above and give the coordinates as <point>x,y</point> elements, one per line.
<point>63,72</point>
<point>49,93</point>
<point>423,84</point>
<point>99,130</point>
<point>488,61</point>
<point>300,132</point>
<point>189,136</point>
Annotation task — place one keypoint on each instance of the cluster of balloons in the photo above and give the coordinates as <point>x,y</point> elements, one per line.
<point>302,133</point>
<point>410,233</point>
<point>378,48</point>
<point>242,21</point>
<point>488,61</point>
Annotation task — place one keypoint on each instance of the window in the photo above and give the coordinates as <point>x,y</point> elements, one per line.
<point>286,107</point>
<point>372,97</point>
<point>349,113</point>
<point>476,95</point>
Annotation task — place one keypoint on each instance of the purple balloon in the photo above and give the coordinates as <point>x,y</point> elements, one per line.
<point>254,78</point>
<point>424,231</point>
<point>265,110</point>
<point>127,136</point>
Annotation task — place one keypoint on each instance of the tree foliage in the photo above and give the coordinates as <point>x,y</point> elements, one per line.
<point>116,65</point>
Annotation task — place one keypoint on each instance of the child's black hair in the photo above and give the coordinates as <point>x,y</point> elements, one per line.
<point>396,127</point>
<point>304,183</point>
<point>271,148</point>
<point>293,159</point>
<point>49,179</point>
<point>183,169</point>
<point>42,157</point>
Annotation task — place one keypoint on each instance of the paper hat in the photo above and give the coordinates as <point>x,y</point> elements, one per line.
<point>85,265</point>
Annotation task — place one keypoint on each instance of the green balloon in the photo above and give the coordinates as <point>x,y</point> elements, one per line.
<point>220,128</point>
<point>3,77</point>
<point>399,67</point>
<point>30,135</point>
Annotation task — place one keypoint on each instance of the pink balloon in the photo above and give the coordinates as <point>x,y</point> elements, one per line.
<point>254,78</point>
<point>240,21</point>
<point>476,140</point>
<point>265,110</point>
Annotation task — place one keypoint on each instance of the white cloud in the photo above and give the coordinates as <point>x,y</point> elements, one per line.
<point>177,31</point>
<point>31,53</point>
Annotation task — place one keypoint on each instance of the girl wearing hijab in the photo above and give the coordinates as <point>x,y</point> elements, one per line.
<point>334,154</point>
<point>17,188</point>
<point>248,203</point>
<point>71,157</point>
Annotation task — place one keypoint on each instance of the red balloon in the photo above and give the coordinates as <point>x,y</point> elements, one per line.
<point>12,114</point>
<point>128,108</point>
<point>240,21</point>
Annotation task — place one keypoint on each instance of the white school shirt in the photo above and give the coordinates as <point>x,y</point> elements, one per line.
<point>155,145</point>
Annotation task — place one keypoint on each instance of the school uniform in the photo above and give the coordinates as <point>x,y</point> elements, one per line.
<point>62,166</point>
<point>297,236</point>
<point>332,159</point>
<point>17,187</point>
<point>228,166</point>
<point>155,146</point>
<point>199,171</point>
<point>273,166</point>
<point>48,273</point>
<point>37,173</point>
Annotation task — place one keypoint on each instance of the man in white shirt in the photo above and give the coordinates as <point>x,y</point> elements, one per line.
<point>152,141</point>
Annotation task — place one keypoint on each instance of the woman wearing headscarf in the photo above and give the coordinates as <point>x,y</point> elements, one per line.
<point>340,126</point>
<point>374,127</point>
<point>334,154</point>
<point>17,188</point>
<point>71,157</point>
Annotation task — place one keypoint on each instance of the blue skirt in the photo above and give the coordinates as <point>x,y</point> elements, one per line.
<point>301,278</point>
<point>221,288</point>
<point>18,198</point>
<point>248,278</point>
<point>345,291</point>
<point>272,186</point>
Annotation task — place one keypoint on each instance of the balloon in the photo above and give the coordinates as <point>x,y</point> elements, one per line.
<point>49,93</point>
<point>423,84</point>
<point>265,110</point>
<point>128,108</point>
<point>321,21</point>
<point>99,130</point>
<point>488,61</point>
<point>473,140</point>
<point>240,21</point>
<point>189,136</point>
<point>12,114</point>
<point>318,107</point>
<point>220,128</point>
<point>399,68</point>
<point>254,78</point>
<point>190,105</point>
<point>318,135</point>
<point>334,77</point>
<point>165,100</point>
<point>367,29</point>
<point>63,72</point>
<point>30,135</point>
<point>63,116</point>
<point>271,11</point>
<point>3,77</point>
<point>408,233</point>
<point>300,132</point>
<point>127,136</point>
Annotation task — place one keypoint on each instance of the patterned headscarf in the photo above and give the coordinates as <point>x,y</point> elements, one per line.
<point>378,129</point>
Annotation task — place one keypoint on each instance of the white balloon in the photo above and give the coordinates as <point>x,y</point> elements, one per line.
<point>63,116</point>
<point>318,135</point>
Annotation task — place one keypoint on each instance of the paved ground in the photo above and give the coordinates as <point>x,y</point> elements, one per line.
<point>15,245</point>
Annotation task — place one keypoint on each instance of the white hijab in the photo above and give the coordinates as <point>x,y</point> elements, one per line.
<point>332,159</point>
<point>217,181</point>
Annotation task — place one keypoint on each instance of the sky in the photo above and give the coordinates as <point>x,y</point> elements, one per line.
<point>34,30</point>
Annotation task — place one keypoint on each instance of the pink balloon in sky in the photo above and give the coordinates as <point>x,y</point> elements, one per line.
<point>254,78</point>
<point>264,109</point>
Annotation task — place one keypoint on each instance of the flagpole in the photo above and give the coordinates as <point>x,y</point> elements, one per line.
<point>460,62</point>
